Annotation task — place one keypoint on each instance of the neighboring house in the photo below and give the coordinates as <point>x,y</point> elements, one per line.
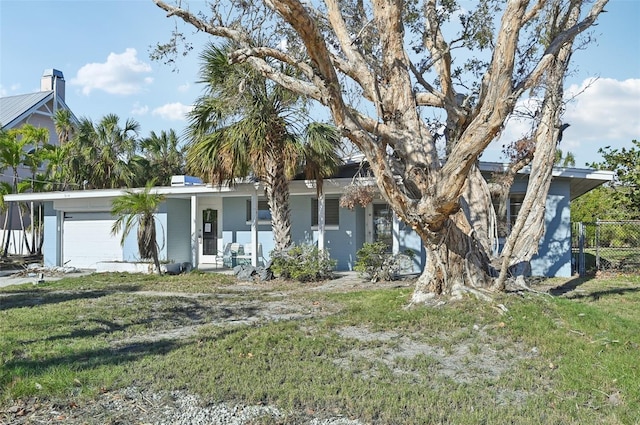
<point>37,109</point>
<point>197,222</point>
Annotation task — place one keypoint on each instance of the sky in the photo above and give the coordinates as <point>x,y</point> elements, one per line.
<point>102,47</point>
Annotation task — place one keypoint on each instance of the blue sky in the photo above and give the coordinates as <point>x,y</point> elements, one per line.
<point>102,47</point>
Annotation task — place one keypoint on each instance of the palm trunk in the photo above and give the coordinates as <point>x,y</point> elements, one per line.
<point>40,229</point>
<point>33,229</point>
<point>156,261</point>
<point>6,233</point>
<point>278,198</point>
<point>25,239</point>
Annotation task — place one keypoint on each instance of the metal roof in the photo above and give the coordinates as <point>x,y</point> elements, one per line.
<point>14,107</point>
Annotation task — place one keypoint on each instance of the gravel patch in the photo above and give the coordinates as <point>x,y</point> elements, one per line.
<point>135,406</point>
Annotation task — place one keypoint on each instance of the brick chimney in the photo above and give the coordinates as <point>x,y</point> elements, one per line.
<point>52,79</point>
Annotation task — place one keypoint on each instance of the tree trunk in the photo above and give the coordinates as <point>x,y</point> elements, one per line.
<point>456,263</point>
<point>522,242</point>
<point>25,239</point>
<point>6,233</point>
<point>147,240</point>
<point>277,189</point>
<point>156,261</point>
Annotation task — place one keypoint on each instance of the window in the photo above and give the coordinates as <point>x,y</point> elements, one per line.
<point>383,225</point>
<point>510,213</point>
<point>264,213</point>
<point>331,212</point>
<point>515,204</point>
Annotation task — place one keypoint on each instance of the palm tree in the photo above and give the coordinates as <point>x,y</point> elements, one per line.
<point>64,125</point>
<point>245,124</point>
<point>139,207</point>
<point>5,189</point>
<point>57,170</point>
<point>116,145</point>
<point>38,138</point>
<point>20,147</point>
<point>103,151</point>
<point>164,155</point>
<point>320,158</point>
<point>564,160</point>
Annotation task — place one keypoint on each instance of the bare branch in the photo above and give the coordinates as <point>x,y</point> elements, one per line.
<point>188,17</point>
<point>534,11</point>
<point>360,72</point>
<point>555,46</point>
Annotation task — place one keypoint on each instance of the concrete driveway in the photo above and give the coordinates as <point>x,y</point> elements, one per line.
<point>36,275</point>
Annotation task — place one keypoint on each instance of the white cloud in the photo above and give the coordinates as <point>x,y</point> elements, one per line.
<point>122,74</point>
<point>184,87</point>
<point>603,112</point>
<point>173,111</point>
<point>8,92</point>
<point>139,109</point>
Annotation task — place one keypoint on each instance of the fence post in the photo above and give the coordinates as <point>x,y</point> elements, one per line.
<point>597,244</point>
<point>581,265</point>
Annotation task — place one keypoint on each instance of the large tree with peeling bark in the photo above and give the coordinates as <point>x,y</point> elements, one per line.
<point>382,67</point>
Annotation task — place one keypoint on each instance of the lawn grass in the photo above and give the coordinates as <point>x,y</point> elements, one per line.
<point>569,359</point>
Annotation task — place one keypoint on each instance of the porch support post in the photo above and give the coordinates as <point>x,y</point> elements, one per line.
<point>59,236</point>
<point>395,233</point>
<point>254,226</point>
<point>321,221</point>
<point>195,236</point>
<point>368,225</point>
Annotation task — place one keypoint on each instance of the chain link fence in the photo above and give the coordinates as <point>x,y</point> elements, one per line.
<point>606,246</point>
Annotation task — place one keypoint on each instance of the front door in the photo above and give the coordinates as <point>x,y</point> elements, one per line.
<point>383,225</point>
<point>209,232</point>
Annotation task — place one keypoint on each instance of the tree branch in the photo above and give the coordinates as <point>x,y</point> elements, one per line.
<point>189,18</point>
<point>360,72</point>
<point>557,43</point>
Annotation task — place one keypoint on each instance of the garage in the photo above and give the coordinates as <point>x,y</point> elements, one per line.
<point>87,239</point>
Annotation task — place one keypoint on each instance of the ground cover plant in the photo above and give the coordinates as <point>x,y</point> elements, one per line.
<point>121,348</point>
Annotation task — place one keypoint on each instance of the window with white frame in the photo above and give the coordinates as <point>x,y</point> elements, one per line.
<point>331,212</point>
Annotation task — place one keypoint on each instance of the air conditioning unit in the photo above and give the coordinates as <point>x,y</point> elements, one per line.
<point>185,181</point>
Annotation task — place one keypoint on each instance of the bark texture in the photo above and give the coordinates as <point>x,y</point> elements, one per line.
<point>277,188</point>
<point>522,242</point>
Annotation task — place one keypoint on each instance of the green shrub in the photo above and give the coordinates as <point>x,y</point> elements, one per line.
<point>375,263</point>
<point>304,263</point>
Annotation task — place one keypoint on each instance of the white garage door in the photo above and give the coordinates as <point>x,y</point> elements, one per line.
<point>87,240</point>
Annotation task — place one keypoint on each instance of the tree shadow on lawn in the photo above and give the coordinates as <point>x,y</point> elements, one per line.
<point>595,296</point>
<point>90,359</point>
<point>117,353</point>
<point>569,286</point>
<point>19,299</point>
<point>180,320</point>
<point>567,289</point>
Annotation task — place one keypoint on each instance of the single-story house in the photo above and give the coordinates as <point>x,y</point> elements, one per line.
<point>197,223</point>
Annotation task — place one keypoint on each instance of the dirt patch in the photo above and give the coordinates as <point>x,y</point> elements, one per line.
<point>466,357</point>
